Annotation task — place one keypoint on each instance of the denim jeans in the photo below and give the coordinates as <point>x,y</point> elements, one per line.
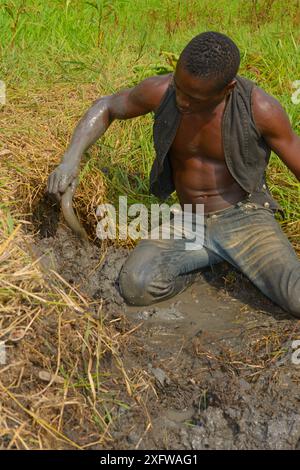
<point>246,235</point>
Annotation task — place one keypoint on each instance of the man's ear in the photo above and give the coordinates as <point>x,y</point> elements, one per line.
<point>231,86</point>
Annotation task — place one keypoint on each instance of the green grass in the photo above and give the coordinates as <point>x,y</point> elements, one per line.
<point>114,44</point>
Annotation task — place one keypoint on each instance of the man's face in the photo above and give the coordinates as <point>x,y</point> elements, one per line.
<point>196,95</point>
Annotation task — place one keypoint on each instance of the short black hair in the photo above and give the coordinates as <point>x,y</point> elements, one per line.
<point>212,55</point>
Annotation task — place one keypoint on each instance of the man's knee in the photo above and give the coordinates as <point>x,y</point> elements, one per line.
<point>133,286</point>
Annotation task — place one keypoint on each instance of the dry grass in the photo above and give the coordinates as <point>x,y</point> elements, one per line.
<point>37,125</point>
<point>64,382</point>
<point>64,369</point>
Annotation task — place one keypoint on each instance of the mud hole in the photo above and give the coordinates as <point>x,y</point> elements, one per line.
<point>218,356</point>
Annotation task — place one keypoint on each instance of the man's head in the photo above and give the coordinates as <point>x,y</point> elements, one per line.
<point>206,72</point>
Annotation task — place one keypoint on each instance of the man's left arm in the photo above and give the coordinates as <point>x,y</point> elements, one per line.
<point>274,124</point>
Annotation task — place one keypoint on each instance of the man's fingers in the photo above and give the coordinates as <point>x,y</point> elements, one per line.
<point>50,184</point>
<point>73,185</point>
<point>55,184</point>
<point>63,183</point>
<point>58,196</point>
<point>59,182</point>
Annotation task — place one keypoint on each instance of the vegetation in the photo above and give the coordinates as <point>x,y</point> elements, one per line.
<point>56,57</point>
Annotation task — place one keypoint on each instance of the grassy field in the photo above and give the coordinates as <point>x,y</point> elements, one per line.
<point>57,56</point>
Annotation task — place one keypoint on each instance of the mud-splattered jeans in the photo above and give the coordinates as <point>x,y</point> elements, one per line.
<point>246,235</point>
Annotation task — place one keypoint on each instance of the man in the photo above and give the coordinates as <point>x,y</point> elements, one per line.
<point>213,133</point>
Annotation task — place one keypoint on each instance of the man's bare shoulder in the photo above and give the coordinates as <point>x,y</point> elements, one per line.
<point>141,99</point>
<point>267,110</point>
<point>275,127</point>
<point>150,91</point>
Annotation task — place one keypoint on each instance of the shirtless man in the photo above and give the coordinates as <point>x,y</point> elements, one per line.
<point>213,133</point>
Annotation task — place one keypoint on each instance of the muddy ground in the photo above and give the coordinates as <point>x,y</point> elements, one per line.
<point>218,356</point>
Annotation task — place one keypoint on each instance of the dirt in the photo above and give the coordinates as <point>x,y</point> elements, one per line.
<point>218,356</point>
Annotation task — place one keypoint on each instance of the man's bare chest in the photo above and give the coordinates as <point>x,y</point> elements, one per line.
<point>199,138</point>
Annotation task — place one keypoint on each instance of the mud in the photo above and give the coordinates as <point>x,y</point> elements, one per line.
<point>218,356</point>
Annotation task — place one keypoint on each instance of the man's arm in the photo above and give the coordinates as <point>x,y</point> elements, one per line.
<point>273,123</point>
<point>129,103</point>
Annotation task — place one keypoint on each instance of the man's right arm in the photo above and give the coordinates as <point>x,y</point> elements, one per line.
<point>129,103</point>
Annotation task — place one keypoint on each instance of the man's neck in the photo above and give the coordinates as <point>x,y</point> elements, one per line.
<point>211,112</point>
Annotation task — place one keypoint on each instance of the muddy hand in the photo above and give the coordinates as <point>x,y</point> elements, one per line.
<point>61,178</point>
<point>69,214</point>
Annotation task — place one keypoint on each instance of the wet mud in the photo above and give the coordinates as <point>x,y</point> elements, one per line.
<point>218,356</point>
